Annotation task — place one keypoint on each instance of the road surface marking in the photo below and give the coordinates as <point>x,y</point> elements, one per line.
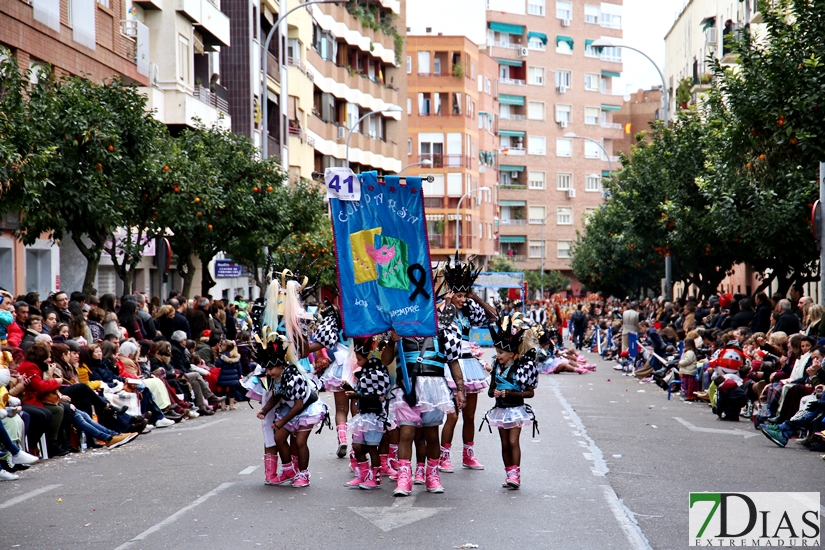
<point>177,515</point>
<point>247,471</point>
<point>192,428</point>
<point>693,428</point>
<point>401,514</point>
<point>27,496</point>
<point>599,467</point>
<point>627,522</point>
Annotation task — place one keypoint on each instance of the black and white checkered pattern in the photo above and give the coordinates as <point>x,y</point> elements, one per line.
<point>373,379</point>
<point>527,374</point>
<point>450,340</point>
<point>478,317</point>
<point>293,385</point>
<point>327,332</point>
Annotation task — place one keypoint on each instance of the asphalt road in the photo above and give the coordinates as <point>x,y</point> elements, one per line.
<point>612,468</point>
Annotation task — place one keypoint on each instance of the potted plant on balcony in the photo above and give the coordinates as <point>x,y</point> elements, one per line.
<point>458,70</point>
<point>439,227</point>
<point>683,93</point>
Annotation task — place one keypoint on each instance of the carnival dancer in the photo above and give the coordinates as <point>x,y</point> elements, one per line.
<point>422,397</point>
<point>298,410</point>
<point>472,312</point>
<point>369,425</point>
<point>514,379</point>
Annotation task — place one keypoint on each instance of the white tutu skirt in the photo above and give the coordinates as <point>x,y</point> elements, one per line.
<point>307,419</point>
<point>509,417</point>
<point>550,365</point>
<point>475,375</point>
<point>333,377</point>
<point>432,393</point>
<point>367,428</point>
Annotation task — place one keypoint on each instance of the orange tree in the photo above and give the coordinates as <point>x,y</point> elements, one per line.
<point>311,253</point>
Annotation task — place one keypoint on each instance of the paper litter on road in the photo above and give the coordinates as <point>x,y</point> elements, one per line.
<point>468,545</point>
<point>640,391</point>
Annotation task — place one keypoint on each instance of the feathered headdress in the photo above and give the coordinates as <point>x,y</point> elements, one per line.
<point>271,349</point>
<point>460,276</point>
<point>507,333</point>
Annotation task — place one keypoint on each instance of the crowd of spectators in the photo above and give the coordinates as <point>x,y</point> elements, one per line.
<point>80,371</point>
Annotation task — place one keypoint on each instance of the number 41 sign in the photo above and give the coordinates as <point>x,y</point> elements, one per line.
<point>342,184</point>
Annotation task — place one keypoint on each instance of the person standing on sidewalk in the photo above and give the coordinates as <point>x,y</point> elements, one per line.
<point>578,324</point>
<point>630,323</point>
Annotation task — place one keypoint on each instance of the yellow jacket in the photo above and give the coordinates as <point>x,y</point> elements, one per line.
<point>83,374</point>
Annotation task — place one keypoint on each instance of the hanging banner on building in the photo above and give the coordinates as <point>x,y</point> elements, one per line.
<point>383,259</point>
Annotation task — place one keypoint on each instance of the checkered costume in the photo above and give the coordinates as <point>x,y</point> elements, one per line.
<point>292,387</point>
<point>471,316</point>
<point>512,412</point>
<point>527,373</point>
<point>373,379</point>
<point>327,333</point>
<point>369,424</point>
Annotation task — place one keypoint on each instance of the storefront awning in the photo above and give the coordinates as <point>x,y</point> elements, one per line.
<point>510,62</point>
<point>512,203</point>
<point>511,133</point>
<point>614,74</point>
<point>540,35</point>
<point>505,27</point>
<point>507,99</point>
<point>509,168</point>
<point>513,239</point>
<point>611,107</point>
<point>560,39</point>
<point>708,22</point>
<point>435,217</point>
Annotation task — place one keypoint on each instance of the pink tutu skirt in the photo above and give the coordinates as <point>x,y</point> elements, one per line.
<point>307,419</point>
<point>367,428</point>
<point>509,417</point>
<point>475,375</point>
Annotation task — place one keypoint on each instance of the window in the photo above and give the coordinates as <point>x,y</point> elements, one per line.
<point>589,211</point>
<point>591,115</point>
<point>564,10</point>
<point>536,249</point>
<point>536,214</point>
<point>612,53</point>
<point>487,85</point>
<point>611,15</point>
<point>563,113</point>
<point>564,47</point>
<point>564,216</point>
<point>603,85</point>
<point>103,3</point>
<point>591,82</point>
<point>535,180</point>
<point>424,63</point>
<point>409,146</point>
<point>454,184</point>
<point>591,14</point>
<point>409,64</point>
<point>563,249</point>
<point>535,75</point>
<point>437,66</point>
<point>535,110</point>
<point>590,51</point>
<point>536,145</point>
<point>591,150</point>
<point>535,7</point>
<point>409,105</point>
<point>536,43</point>
<point>563,181</point>
<point>593,183</point>
<point>434,189</point>
<point>564,147</point>
<point>563,78</point>
<point>183,58</point>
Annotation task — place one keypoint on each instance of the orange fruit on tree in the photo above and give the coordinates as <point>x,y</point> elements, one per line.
<point>110,148</point>
<point>200,214</point>
<point>166,168</point>
<point>209,227</point>
<point>762,157</point>
<point>197,199</point>
<point>269,189</point>
<point>99,166</point>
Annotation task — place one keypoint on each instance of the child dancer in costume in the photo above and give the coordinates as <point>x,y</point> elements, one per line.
<point>368,426</point>
<point>472,312</point>
<point>515,376</point>
<point>298,410</point>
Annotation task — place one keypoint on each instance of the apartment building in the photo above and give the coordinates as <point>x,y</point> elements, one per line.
<point>336,64</point>
<point>452,121</point>
<point>77,37</point>
<point>635,116</point>
<point>556,121</point>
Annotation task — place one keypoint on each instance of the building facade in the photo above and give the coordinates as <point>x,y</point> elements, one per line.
<point>555,122</point>
<point>453,116</point>
<point>635,116</point>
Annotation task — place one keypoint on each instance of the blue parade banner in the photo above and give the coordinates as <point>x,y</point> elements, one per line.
<point>383,257</point>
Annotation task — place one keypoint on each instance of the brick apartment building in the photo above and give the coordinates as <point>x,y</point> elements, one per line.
<point>636,114</point>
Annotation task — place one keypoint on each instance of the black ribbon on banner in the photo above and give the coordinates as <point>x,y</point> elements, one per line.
<point>418,277</point>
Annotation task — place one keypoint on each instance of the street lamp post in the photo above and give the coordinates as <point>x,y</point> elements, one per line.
<point>602,43</point>
<point>574,136</point>
<point>425,162</point>
<point>284,85</point>
<point>357,122</point>
<point>458,214</point>
<point>543,247</point>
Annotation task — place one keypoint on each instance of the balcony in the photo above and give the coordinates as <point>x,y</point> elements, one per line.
<point>214,99</point>
<point>510,116</point>
<point>176,108</point>
<point>369,147</point>
<point>272,68</point>
<point>513,222</point>
<point>612,125</point>
<point>512,81</point>
<point>513,150</point>
<point>433,202</point>
<point>208,19</point>
<point>448,161</point>
<point>336,78</point>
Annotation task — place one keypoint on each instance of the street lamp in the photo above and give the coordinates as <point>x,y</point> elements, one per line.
<point>425,162</point>
<point>543,247</point>
<point>574,136</point>
<point>458,215</point>
<point>357,122</point>
<point>602,43</point>
<point>285,83</point>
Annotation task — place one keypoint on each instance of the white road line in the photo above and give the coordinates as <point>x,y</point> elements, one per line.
<point>599,467</point>
<point>177,515</point>
<point>693,428</point>
<point>626,520</point>
<point>247,471</point>
<point>190,429</point>
<point>30,494</point>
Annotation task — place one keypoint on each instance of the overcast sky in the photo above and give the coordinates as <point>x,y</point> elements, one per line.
<point>645,24</point>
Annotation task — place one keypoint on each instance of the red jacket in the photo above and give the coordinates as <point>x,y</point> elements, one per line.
<point>15,335</point>
<point>37,387</point>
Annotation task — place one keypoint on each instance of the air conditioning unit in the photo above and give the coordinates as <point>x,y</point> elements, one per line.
<point>342,132</point>
<point>571,193</point>
<point>523,51</point>
<point>710,35</point>
<point>565,22</point>
<point>562,124</point>
<point>129,27</point>
<point>514,175</point>
<point>561,89</point>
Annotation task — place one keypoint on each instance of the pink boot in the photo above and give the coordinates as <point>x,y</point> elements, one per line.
<point>403,486</point>
<point>342,440</point>
<point>470,461</point>
<point>510,472</point>
<point>270,468</point>
<point>514,477</point>
<point>444,464</point>
<point>372,480</point>
<point>302,479</point>
<point>386,470</point>
<point>353,462</point>
<point>360,473</point>
<point>295,463</point>
<point>287,475</point>
<point>420,477</point>
<point>433,477</point>
<point>392,457</point>
<point>581,370</point>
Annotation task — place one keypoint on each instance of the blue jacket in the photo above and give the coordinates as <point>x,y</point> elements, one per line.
<point>230,366</point>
